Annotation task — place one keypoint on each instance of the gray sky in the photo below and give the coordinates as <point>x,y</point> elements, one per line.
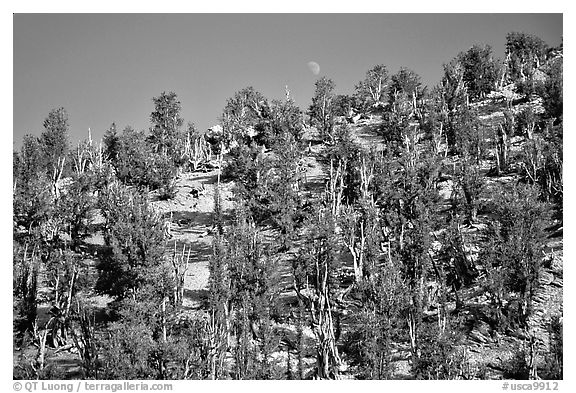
<point>106,68</point>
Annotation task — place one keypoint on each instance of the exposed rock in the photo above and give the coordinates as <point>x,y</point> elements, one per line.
<point>546,277</point>
<point>481,333</point>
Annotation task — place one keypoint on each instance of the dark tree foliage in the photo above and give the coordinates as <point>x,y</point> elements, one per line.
<point>524,54</point>
<point>396,119</point>
<point>243,296</point>
<point>111,141</point>
<point>552,90</point>
<point>458,267</point>
<point>76,206</point>
<point>434,123</point>
<point>347,153</point>
<point>407,205</point>
<point>219,306</point>
<point>282,190</point>
<point>134,239</point>
<point>127,352</point>
<point>517,367</point>
<point>344,105</point>
<point>554,357</point>
<point>54,139</point>
<point>512,256</point>
<point>165,133</point>
<point>441,356</point>
<point>253,295</point>
<point>28,165</point>
<point>242,115</point>
<point>403,107</point>
<point>372,92</point>
<point>132,152</point>
<point>406,82</point>
<point>249,265</point>
<point>148,342</point>
<point>379,327</point>
<point>66,276</point>
<point>470,184</point>
<point>469,135</point>
<point>284,118</point>
<point>269,185</point>
<point>480,70</point>
<point>316,285</point>
<point>454,97</point>
<point>541,163</point>
<point>137,164</point>
<point>25,289</point>
<point>245,166</point>
<point>32,203</point>
<point>551,178</point>
<point>526,122</point>
<point>321,111</point>
<point>188,350</point>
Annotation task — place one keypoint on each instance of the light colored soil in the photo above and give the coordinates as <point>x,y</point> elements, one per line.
<point>191,213</point>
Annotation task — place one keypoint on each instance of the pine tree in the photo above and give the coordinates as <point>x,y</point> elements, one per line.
<point>316,284</point>
<point>322,109</point>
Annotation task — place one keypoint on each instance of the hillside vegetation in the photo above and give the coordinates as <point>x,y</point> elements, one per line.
<point>399,232</point>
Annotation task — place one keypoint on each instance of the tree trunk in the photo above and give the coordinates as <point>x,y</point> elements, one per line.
<point>502,149</point>
<point>42,349</point>
<point>164,333</point>
<point>413,334</point>
<point>70,292</point>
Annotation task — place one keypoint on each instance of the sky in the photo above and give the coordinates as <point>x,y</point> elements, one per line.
<point>105,68</point>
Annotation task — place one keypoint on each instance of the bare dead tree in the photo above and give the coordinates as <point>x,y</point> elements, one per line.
<point>26,277</point>
<point>502,148</point>
<point>85,341</point>
<point>70,294</point>
<point>354,237</point>
<point>366,177</point>
<point>39,337</point>
<point>335,187</point>
<point>81,159</point>
<point>532,160</point>
<point>197,150</point>
<point>217,343</point>
<point>533,357</point>
<point>58,169</point>
<point>315,292</point>
<point>180,265</point>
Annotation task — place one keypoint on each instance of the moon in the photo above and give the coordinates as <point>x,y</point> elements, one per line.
<point>314,67</point>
